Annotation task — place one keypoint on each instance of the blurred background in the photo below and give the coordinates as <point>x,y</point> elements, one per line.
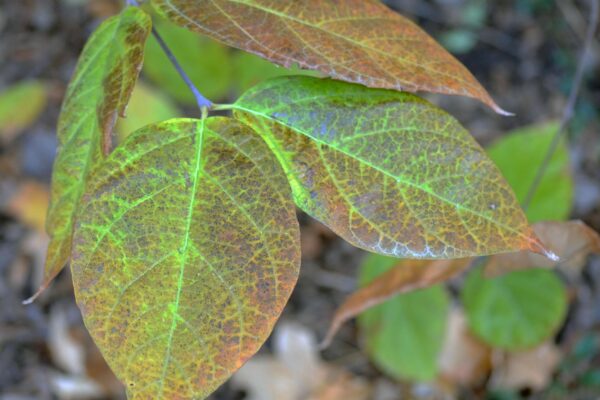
<point>524,52</point>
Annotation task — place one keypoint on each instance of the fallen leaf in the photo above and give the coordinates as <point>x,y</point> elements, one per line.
<point>29,205</point>
<point>531,369</point>
<point>572,241</point>
<point>464,359</point>
<point>20,105</point>
<point>408,275</point>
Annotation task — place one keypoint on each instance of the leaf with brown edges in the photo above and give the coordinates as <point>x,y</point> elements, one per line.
<point>186,250</point>
<point>98,92</point>
<point>360,41</point>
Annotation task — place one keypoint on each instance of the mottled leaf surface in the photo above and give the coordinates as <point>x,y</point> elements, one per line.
<point>359,41</point>
<point>404,335</point>
<point>517,310</point>
<point>99,91</point>
<point>405,276</point>
<point>519,155</point>
<point>385,170</point>
<point>186,251</point>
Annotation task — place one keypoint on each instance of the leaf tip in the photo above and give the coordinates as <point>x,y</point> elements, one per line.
<point>498,110</point>
<point>37,294</point>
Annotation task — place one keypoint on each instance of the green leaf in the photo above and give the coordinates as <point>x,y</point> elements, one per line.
<point>99,91</point>
<point>387,171</point>
<point>405,334</point>
<point>20,105</point>
<point>359,41</point>
<point>146,106</point>
<point>207,63</point>
<point>517,310</point>
<point>186,251</point>
<point>519,155</point>
<point>251,69</point>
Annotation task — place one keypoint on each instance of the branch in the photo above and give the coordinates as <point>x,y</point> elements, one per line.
<point>203,102</point>
<point>571,102</point>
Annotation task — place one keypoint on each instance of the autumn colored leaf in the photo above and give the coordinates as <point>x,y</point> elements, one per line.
<point>572,241</point>
<point>404,335</point>
<point>99,91</point>
<point>387,171</point>
<point>186,250</point>
<point>405,276</point>
<point>517,310</point>
<point>520,153</point>
<point>20,105</point>
<point>360,41</point>
<point>29,204</point>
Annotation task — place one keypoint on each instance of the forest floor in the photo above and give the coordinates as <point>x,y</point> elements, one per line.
<point>524,52</point>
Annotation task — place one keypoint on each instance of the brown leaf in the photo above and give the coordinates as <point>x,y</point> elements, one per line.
<point>529,369</point>
<point>29,205</point>
<point>409,275</point>
<point>572,241</point>
<point>359,41</point>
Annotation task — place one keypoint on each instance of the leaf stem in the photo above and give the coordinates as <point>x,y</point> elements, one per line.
<point>202,102</point>
<point>571,102</point>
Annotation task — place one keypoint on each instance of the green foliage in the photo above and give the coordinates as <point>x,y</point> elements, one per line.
<point>405,334</point>
<point>99,91</point>
<point>20,105</point>
<point>517,310</point>
<point>519,155</point>
<point>180,273</point>
<point>146,106</point>
<point>207,62</point>
<point>387,171</point>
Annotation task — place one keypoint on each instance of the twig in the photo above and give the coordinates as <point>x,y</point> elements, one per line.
<point>571,102</point>
<point>203,102</point>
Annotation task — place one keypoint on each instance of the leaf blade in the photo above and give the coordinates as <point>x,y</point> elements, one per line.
<point>341,40</point>
<point>111,60</point>
<point>387,171</point>
<point>198,264</point>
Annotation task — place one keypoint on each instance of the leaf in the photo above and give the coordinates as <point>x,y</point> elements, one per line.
<point>405,334</point>
<point>517,310</point>
<point>146,106</point>
<point>519,155</point>
<point>360,41</point>
<point>572,241</point>
<point>99,91</point>
<point>207,62</point>
<point>186,251</point>
<point>29,204</point>
<point>20,105</point>
<point>251,69</point>
<point>387,171</point>
<point>405,276</point>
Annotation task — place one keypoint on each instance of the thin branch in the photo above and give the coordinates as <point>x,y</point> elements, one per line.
<point>203,102</point>
<point>571,102</point>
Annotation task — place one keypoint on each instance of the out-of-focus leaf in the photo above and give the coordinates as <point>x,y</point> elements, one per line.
<point>404,335</point>
<point>99,91</point>
<point>387,171</point>
<point>146,106</point>
<point>29,204</point>
<point>20,105</point>
<point>187,249</point>
<point>464,360</point>
<point>360,41</point>
<point>572,241</point>
<point>405,276</point>
<point>251,69</point>
<point>531,369</point>
<point>519,154</point>
<point>517,310</point>
<point>207,63</point>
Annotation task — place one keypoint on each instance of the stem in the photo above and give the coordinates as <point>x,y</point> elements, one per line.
<point>571,102</point>
<point>203,102</point>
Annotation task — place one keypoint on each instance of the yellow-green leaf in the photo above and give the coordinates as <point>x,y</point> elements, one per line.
<point>99,91</point>
<point>360,41</point>
<point>385,170</point>
<point>20,105</point>
<point>186,250</point>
